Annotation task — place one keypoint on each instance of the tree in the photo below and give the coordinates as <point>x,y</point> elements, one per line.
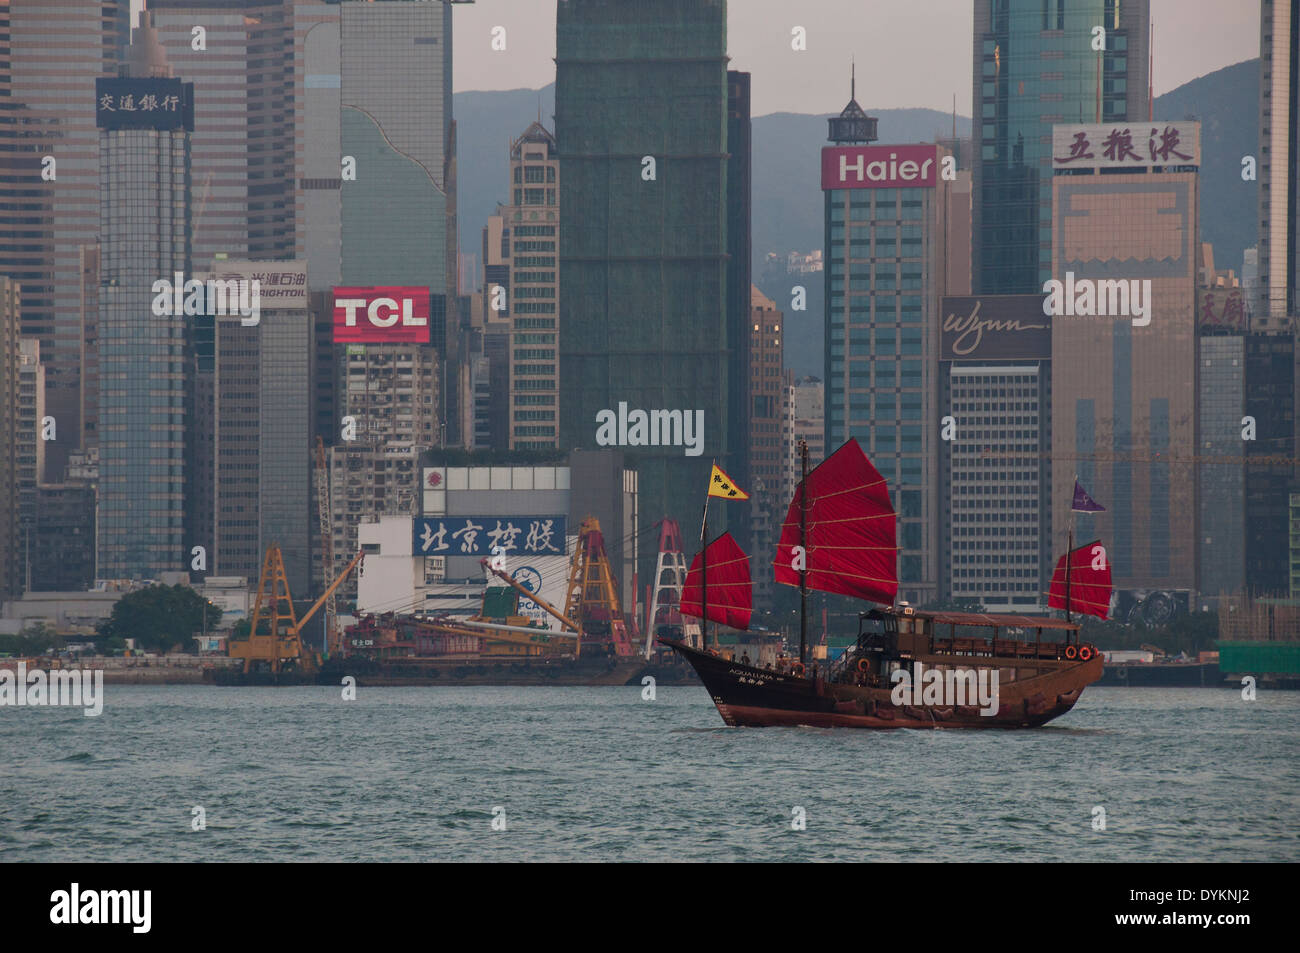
<point>34,639</point>
<point>160,617</point>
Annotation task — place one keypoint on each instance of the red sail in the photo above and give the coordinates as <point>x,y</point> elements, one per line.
<point>850,541</point>
<point>730,600</point>
<point>1089,588</point>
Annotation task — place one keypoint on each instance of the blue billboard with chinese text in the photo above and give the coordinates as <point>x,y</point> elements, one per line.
<point>482,535</point>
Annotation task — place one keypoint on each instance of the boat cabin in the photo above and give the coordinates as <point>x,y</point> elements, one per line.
<point>899,633</point>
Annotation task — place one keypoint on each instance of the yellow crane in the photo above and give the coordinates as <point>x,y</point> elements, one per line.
<point>332,634</point>
<point>280,645</point>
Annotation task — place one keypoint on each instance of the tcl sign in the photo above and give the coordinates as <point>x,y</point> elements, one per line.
<point>381,315</point>
<point>878,167</point>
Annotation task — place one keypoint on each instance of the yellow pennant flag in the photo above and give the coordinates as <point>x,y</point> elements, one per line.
<point>722,485</point>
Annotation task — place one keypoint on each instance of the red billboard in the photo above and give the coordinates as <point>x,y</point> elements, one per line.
<point>381,315</point>
<point>879,167</point>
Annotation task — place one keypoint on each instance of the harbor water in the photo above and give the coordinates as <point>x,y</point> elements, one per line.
<point>600,774</point>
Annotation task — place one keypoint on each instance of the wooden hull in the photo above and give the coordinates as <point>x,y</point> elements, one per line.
<point>1030,693</point>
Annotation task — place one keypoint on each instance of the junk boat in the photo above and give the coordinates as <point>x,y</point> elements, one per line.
<point>839,536</point>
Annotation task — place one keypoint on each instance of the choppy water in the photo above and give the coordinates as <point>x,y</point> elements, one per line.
<point>600,774</point>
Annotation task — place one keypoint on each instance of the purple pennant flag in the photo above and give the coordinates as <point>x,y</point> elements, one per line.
<point>1083,503</point>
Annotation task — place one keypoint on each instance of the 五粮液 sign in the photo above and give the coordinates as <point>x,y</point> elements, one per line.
<point>481,535</point>
<point>1123,145</point>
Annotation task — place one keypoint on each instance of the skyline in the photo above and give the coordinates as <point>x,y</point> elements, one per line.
<point>758,41</point>
<point>816,81</point>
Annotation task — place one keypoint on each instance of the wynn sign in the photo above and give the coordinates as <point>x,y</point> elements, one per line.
<point>995,327</point>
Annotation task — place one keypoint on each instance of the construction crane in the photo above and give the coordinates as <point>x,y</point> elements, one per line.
<point>592,592</point>
<point>332,634</point>
<point>670,579</point>
<point>280,645</point>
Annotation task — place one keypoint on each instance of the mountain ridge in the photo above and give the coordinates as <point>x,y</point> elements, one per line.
<point>787,201</point>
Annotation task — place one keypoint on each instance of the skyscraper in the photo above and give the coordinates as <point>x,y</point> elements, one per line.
<point>49,175</point>
<point>491,317</point>
<point>740,406</point>
<point>995,384</point>
<point>398,218</point>
<point>1279,160</point>
<point>318,164</point>
<point>641,123</point>
<point>1124,366</point>
<point>886,259</point>
<point>529,235</point>
<point>146,361</point>
<point>30,446</point>
<point>1034,65</point>
<point>11,547</point>
<point>396,127</point>
<point>243,122</point>
<point>262,427</point>
<point>1272,381</point>
<point>767,397</point>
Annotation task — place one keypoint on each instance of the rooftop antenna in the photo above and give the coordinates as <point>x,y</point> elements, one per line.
<point>1151,66</point>
<point>853,79</point>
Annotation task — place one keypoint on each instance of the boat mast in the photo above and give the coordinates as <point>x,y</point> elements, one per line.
<point>704,577</point>
<point>803,546</point>
<point>1069,549</point>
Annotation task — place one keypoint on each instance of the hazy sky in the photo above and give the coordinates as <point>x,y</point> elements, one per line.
<point>909,52</point>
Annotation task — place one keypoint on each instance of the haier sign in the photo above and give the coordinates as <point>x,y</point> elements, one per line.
<point>381,315</point>
<point>878,167</point>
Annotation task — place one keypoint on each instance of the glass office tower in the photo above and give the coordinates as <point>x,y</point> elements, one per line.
<point>146,362</point>
<point>1034,65</point>
<point>645,277</point>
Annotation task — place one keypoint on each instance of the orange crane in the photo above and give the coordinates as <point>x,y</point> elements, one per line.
<point>280,645</point>
<point>592,593</point>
